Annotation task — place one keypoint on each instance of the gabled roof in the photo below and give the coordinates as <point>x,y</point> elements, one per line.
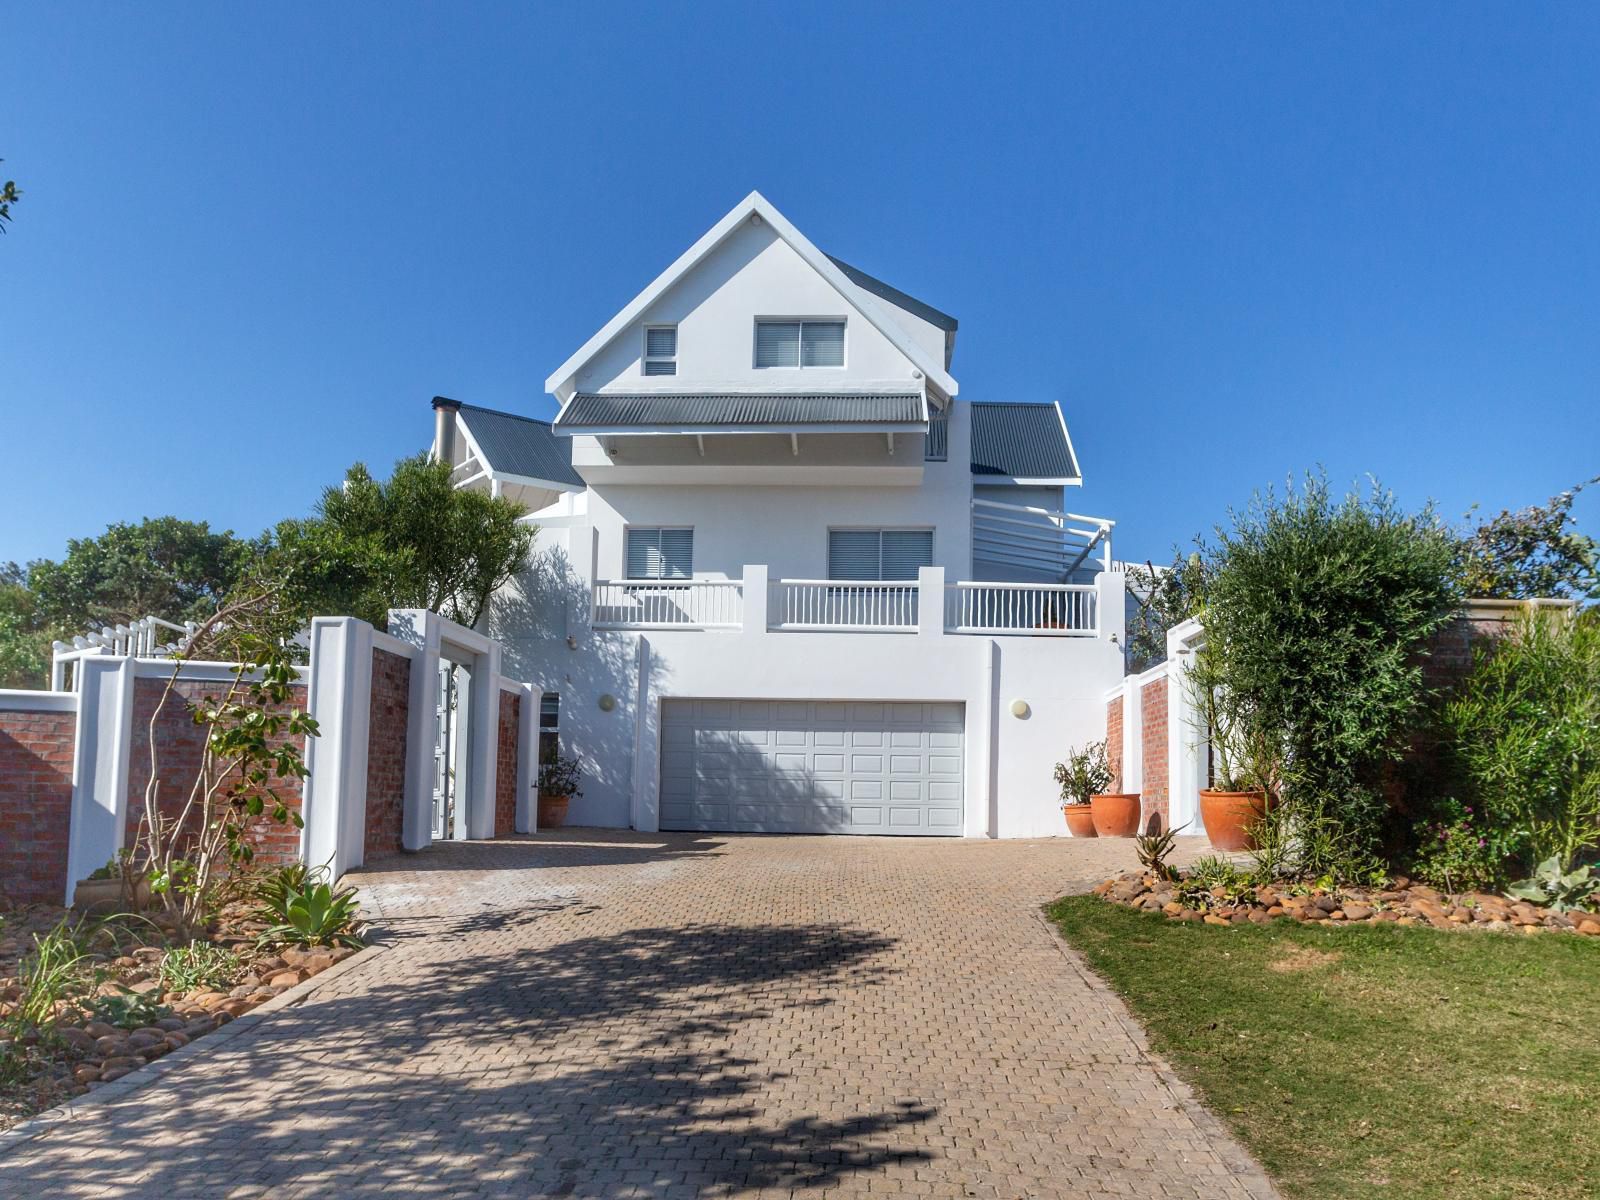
<point>885,291</point>
<point>1022,443</point>
<point>755,204</point>
<point>674,412</point>
<point>519,446</point>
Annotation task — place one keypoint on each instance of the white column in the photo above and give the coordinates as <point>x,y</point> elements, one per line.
<point>1187,735</point>
<point>339,697</point>
<point>483,720</point>
<point>930,601</point>
<point>1111,606</point>
<point>100,758</point>
<point>528,758</point>
<point>755,600</point>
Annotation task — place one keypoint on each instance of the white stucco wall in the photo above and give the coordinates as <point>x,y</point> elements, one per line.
<point>753,273</point>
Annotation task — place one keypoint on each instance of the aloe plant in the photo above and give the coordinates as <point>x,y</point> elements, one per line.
<point>1559,890</point>
<point>315,914</point>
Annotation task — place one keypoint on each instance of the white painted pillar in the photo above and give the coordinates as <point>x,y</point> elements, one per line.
<point>1111,606</point>
<point>930,601</point>
<point>1187,735</point>
<point>528,759</point>
<point>755,600</point>
<point>339,697</point>
<point>483,737</point>
<point>420,630</point>
<point>100,757</point>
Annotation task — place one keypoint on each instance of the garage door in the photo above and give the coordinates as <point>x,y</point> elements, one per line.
<point>774,766</point>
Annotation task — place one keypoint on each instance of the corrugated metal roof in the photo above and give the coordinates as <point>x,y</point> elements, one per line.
<point>887,291</point>
<point>647,410</point>
<point>1021,441</point>
<point>520,445</point>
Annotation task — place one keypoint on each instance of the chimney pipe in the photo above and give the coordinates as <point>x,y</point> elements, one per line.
<point>444,428</point>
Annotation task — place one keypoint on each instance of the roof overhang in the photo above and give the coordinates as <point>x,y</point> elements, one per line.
<point>718,414</point>
<point>756,205</point>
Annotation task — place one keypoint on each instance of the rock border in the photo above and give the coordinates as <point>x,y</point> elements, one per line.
<point>41,1124</point>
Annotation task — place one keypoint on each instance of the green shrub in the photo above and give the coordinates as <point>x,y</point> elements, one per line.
<point>127,1009</point>
<point>1459,851</point>
<point>1316,610</point>
<point>1085,773</point>
<point>312,914</point>
<point>1524,731</point>
<point>198,965</point>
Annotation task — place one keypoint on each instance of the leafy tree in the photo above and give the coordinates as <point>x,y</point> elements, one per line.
<point>1164,596</point>
<point>411,541</point>
<point>163,566</point>
<point>1316,610</point>
<point>24,642</point>
<point>1535,551</point>
<point>9,195</point>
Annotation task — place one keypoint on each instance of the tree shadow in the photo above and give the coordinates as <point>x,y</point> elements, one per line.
<point>592,1066</point>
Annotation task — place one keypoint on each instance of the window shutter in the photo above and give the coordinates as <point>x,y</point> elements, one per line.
<point>644,554</point>
<point>661,343</point>
<point>853,554</point>
<point>822,344</point>
<point>677,553</point>
<point>660,366</point>
<point>777,343</point>
<point>904,550</point>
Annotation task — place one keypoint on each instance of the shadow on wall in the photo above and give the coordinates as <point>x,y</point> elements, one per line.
<point>613,1063</point>
<point>532,620</point>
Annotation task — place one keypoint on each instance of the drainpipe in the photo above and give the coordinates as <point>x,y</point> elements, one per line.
<point>444,428</point>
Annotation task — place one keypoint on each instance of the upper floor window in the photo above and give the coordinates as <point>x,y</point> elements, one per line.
<point>661,350</point>
<point>878,554</point>
<point>549,726</point>
<point>799,344</point>
<point>660,553</point>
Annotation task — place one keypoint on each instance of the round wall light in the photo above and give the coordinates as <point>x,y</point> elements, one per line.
<point>1020,709</point>
<point>607,702</point>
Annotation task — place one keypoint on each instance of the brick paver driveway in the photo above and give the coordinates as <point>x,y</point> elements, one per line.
<point>603,1014</point>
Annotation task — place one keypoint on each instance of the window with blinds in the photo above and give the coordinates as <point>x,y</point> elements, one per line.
<point>660,553</point>
<point>799,344</point>
<point>661,350</point>
<point>878,554</point>
<point>549,726</point>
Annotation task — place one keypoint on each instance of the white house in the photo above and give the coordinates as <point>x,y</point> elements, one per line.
<point>788,580</point>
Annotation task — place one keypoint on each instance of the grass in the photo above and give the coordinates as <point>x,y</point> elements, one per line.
<point>1373,1061</point>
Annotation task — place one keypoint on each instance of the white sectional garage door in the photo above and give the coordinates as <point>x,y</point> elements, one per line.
<point>777,766</point>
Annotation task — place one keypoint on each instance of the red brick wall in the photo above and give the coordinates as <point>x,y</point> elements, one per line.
<point>1153,740</point>
<point>179,742</point>
<point>1114,741</point>
<point>505,777</point>
<point>386,753</point>
<point>35,804</point>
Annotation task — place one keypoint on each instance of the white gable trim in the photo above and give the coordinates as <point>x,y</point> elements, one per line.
<point>755,204</point>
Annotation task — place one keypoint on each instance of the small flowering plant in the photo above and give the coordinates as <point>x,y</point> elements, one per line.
<point>1460,852</point>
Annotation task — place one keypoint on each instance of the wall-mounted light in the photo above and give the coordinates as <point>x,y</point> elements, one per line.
<point>607,702</point>
<point>1020,709</point>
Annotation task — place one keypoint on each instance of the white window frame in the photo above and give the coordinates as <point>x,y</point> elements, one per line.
<point>629,530</point>
<point>800,344</point>
<point>933,547</point>
<point>646,358</point>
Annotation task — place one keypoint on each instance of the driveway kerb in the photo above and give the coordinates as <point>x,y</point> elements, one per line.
<point>82,1107</point>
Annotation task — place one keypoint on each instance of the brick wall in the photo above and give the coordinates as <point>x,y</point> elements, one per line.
<point>1114,741</point>
<point>505,778</point>
<point>1153,739</point>
<point>35,804</point>
<point>179,742</point>
<point>386,754</point>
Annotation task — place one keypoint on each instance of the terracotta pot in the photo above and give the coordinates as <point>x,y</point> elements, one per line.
<point>1228,817</point>
<point>1116,814</point>
<point>553,811</point>
<point>1080,822</point>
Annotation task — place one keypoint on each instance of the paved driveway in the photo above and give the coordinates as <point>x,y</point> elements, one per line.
<point>605,1014</point>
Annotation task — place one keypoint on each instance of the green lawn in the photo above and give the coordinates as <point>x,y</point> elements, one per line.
<point>1374,1061</point>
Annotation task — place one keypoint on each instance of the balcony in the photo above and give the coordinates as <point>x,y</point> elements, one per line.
<point>925,606</point>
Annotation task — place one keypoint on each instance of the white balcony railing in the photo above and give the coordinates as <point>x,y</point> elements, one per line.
<point>668,604</point>
<point>1058,610</point>
<point>830,604</point>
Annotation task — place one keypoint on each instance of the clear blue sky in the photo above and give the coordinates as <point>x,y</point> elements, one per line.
<point>1233,241</point>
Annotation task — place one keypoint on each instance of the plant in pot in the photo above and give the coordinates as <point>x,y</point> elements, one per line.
<point>1083,774</point>
<point>558,784</point>
<point>1243,787</point>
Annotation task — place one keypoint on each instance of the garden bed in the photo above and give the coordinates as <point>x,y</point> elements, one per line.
<point>1372,1060</point>
<point>1239,901</point>
<point>85,1001</point>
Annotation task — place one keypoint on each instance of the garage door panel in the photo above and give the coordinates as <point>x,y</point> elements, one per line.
<point>812,766</point>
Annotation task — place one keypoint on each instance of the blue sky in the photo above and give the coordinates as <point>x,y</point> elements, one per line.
<point>1233,241</point>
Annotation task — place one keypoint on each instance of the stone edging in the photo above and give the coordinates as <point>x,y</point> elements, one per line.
<point>1241,1165</point>
<point>77,1108</point>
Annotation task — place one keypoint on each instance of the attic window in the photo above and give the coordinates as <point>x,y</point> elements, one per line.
<point>661,350</point>
<point>799,344</point>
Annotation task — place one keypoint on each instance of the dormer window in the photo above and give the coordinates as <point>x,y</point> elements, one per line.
<point>661,350</point>
<point>799,344</point>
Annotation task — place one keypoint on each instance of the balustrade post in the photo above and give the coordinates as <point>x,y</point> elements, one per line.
<point>755,600</point>
<point>930,601</point>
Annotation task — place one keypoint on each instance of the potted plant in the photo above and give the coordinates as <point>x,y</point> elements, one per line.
<point>1083,774</point>
<point>1242,764</point>
<point>558,784</point>
<point>1084,778</point>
